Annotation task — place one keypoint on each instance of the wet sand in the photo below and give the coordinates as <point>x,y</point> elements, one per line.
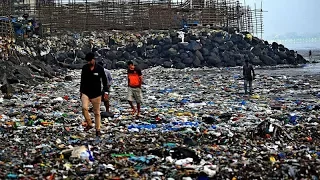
<point>308,69</point>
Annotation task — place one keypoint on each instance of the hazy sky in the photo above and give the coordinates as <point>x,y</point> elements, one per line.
<point>285,16</point>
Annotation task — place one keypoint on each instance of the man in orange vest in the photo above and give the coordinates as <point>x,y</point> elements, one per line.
<point>134,87</point>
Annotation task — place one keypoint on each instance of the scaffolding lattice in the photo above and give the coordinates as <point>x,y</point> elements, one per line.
<point>91,15</point>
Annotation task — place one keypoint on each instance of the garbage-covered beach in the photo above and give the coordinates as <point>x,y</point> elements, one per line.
<point>196,121</point>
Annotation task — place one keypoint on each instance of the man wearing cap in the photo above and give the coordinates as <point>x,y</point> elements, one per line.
<point>248,76</point>
<point>90,91</point>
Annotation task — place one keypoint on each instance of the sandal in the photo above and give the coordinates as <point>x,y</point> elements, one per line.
<point>133,111</point>
<point>87,128</point>
<point>98,133</point>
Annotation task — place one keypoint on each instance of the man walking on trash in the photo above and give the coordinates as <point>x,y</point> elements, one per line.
<point>90,91</point>
<point>134,87</point>
<point>248,76</point>
<point>110,80</point>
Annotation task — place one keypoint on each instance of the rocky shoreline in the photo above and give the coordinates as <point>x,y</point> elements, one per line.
<point>36,59</point>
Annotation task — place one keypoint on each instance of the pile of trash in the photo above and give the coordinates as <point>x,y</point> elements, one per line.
<point>195,124</point>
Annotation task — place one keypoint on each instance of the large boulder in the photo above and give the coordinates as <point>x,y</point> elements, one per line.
<point>167,64</point>
<point>230,63</point>
<point>255,41</point>
<point>134,54</point>
<point>183,45</point>
<point>236,38</point>
<point>167,41</point>
<point>256,51</point>
<point>176,40</point>
<point>219,39</point>
<point>80,54</point>
<point>6,88</point>
<point>86,49</point>
<point>69,60</point>
<point>179,66</point>
<point>205,42</point>
<point>108,64</point>
<point>49,59</point>
<point>270,52</point>
<point>176,47</point>
<point>191,54</point>
<point>111,55</point>
<point>61,57</point>
<point>223,48</point>
<point>213,60</point>
<point>172,52</point>
<point>274,45</point>
<point>154,61</point>
<point>187,61</point>
<point>194,46</point>
<point>227,56</point>
<point>256,61</point>
<point>166,47</point>
<point>151,53</point>
<point>131,47</point>
<point>160,61</point>
<point>74,66</point>
<point>139,60</point>
<point>205,52</point>
<point>193,37</point>
<point>196,62</point>
<point>119,54</point>
<point>278,59</point>
<point>282,55</point>
<point>300,59</point>
<point>143,66</point>
<point>46,70</point>
<point>23,73</point>
<point>199,55</point>
<point>229,44</point>
<point>215,50</point>
<point>121,65</point>
<point>281,48</point>
<point>291,60</point>
<point>71,54</point>
<point>184,55</point>
<point>176,60</point>
<point>158,48</point>
<point>268,60</point>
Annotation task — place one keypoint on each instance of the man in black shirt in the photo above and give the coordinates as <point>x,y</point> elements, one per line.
<point>90,90</point>
<point>248,76</point>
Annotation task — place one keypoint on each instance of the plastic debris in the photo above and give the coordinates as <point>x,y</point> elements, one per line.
<point>195,124</point>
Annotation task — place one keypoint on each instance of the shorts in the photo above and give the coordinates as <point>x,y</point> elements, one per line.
<point>135,94</point>
<point>248,78</point>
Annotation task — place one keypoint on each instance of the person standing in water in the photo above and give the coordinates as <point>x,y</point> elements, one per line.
<point>310,55</point>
